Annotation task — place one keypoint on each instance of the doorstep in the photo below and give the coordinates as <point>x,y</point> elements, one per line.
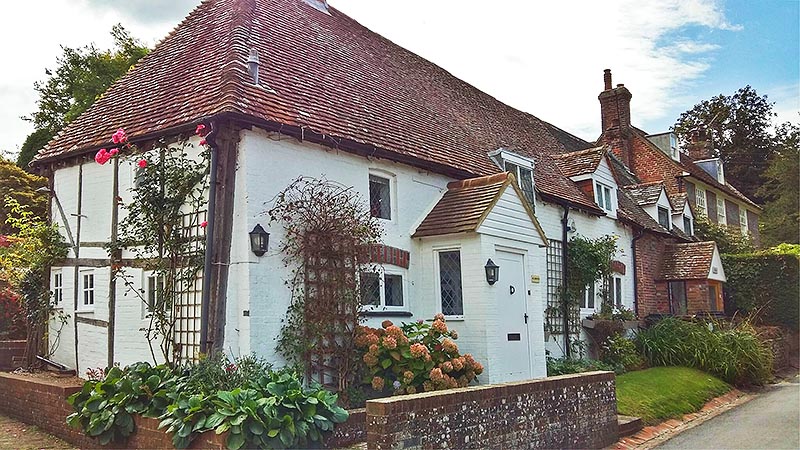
<point>652,436</point>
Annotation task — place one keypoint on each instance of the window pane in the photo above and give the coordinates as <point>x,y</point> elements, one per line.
<point>677,297</point>
<point>513,168</point>
<point>450,283</point>
<point>393,290</point>
<point>370,289</point>
<point>687,225</point>
<point>712,298</point>
<point>599,194</point>
<point>588,297</point>
<point>379,203</point>
<point>663,218</point>
<point>526,184</point>
<point>607,194</point>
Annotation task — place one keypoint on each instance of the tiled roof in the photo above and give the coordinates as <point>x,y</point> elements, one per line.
<point>678,201</point>
<point>628,210</point>
<point>696,171</point>
<point>645,193</point>
<point>324,74</point>
<point>581,162</point>
<point>622,174</point>
<point>466,203</point>
<point>689,261</point>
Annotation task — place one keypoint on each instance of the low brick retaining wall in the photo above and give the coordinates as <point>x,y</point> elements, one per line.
<point>9,350</point>
<point>42,402</point>
<point>569,411</point>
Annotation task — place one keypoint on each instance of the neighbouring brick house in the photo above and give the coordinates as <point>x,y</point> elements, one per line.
<point>675,275</point>
<point>693,172</point>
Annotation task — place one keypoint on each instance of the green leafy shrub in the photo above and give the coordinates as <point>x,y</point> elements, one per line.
<point>731,352</point>
<point>620,353</point>
<point>417,357</point>
<point>564,366</point>
<point>765,283</point>
<point>269,409</point>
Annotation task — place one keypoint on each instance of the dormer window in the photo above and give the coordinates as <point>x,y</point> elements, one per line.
<point>524,178</point>
<point>663,217</point>
<point>603,196</point>
<point>687,225</point>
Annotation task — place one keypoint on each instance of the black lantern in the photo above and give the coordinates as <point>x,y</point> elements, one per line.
<point>492,272</point>
<point>259,240</point>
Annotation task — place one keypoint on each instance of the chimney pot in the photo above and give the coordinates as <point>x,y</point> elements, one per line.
<point>607,78</point>
<point>620,85</point>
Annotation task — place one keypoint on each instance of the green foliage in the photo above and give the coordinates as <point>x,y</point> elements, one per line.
<point>163,228</point>
<point>728,239</point>
<point>328,232</point>
<point>731,352</point>
<point>33,143</point>
<point>564,366</point>
<point>620,353</point>
<point>662,393</point>
<point>417,357</point>
<point>20,186</point>
<point>739,126</point>
<point>765,283</point>
<point>780,219</point>
<point>588,260</point>
<point>267,410</point>
<point>216,372</point>
<point>12,319</point>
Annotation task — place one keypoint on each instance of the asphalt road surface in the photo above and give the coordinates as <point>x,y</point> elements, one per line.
<point>770,421</point>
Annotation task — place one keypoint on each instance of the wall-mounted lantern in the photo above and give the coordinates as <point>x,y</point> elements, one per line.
<point>259,240</point>
<point>492,272</point>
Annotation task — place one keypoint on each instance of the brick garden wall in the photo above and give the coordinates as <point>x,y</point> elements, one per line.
<point>9,350</point>
<point>42,402</point>
<point>569,411</point>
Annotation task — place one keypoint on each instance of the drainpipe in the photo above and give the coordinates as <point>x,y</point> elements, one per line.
<point>208,264</point>
<point>564,278</point>
<point>635,273</point>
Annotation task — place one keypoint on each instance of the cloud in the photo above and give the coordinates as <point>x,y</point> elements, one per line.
<point>146,11</point>
<point>547,58</point>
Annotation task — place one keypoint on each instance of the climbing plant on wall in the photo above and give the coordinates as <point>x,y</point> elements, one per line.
<point>163,230</point>
<point>327,233</point>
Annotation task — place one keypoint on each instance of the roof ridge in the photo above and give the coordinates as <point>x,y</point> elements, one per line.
<point>479,181</point>
<point>578,152</point>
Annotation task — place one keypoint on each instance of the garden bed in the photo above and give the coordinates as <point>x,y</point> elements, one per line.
<point>662,393</point>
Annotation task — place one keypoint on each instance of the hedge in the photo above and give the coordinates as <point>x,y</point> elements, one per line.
<point>766,281</point>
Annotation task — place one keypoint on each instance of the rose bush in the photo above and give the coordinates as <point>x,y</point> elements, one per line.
<point>415,357</point>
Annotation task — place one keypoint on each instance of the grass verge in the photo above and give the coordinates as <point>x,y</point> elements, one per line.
<point>662,393</point>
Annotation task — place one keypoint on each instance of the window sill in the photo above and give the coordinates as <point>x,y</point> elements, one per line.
<point>454,318</point>
<point>85,311</point>
<point>381,313</point>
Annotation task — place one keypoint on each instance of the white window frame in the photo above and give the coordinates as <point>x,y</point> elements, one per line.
<point>382,272</point>
<point>58,288</point>
<point>743,220</point>
<point>148,302</point>
<point>700,199</point>
<point>392,193</point>
<point>617,298</point>
<point>721,215</point>
<point>438,278</point>
<point>659,210</point>
<point>587,291</point>
<point>605,202</point>
<point>88,290</point>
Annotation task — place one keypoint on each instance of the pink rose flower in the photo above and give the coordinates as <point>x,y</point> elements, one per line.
<point>102,156</point>
<point>113,151</point>
<point>142,163</point>
<point>200,130</point>
<point>202,142</point>
<point>119,137</point>
<point>203,224</point>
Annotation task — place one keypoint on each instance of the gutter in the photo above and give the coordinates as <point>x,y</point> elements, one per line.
<point>209,251</point>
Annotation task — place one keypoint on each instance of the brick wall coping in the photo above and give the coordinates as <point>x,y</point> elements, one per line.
<point>459,395</point>
<point>66,384</point>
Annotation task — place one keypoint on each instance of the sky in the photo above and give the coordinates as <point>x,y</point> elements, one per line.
<point>546,58</point>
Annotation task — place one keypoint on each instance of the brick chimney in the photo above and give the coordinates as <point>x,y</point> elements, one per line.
<point>615,118</point>
<point>700,147</point>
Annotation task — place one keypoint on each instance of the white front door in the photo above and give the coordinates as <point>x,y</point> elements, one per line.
<point>514,361</point>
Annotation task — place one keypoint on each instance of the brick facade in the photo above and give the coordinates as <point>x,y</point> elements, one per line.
<point>651,299</point>
<point>570,411</point>
<point>10,350</point>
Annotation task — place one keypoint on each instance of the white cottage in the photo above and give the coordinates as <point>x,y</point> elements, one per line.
<point>295,88</point>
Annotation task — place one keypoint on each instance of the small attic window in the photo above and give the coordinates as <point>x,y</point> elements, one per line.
<point>319,5</point>
<point>663,217</point>
<point>521,167</point>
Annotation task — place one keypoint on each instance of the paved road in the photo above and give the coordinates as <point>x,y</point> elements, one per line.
<point>770,421</point>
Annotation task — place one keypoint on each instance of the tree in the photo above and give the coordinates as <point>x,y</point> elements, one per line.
<point>82,75</point>
<point>780,221</point>
<point>739,132</point>
<point>20,186</point>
